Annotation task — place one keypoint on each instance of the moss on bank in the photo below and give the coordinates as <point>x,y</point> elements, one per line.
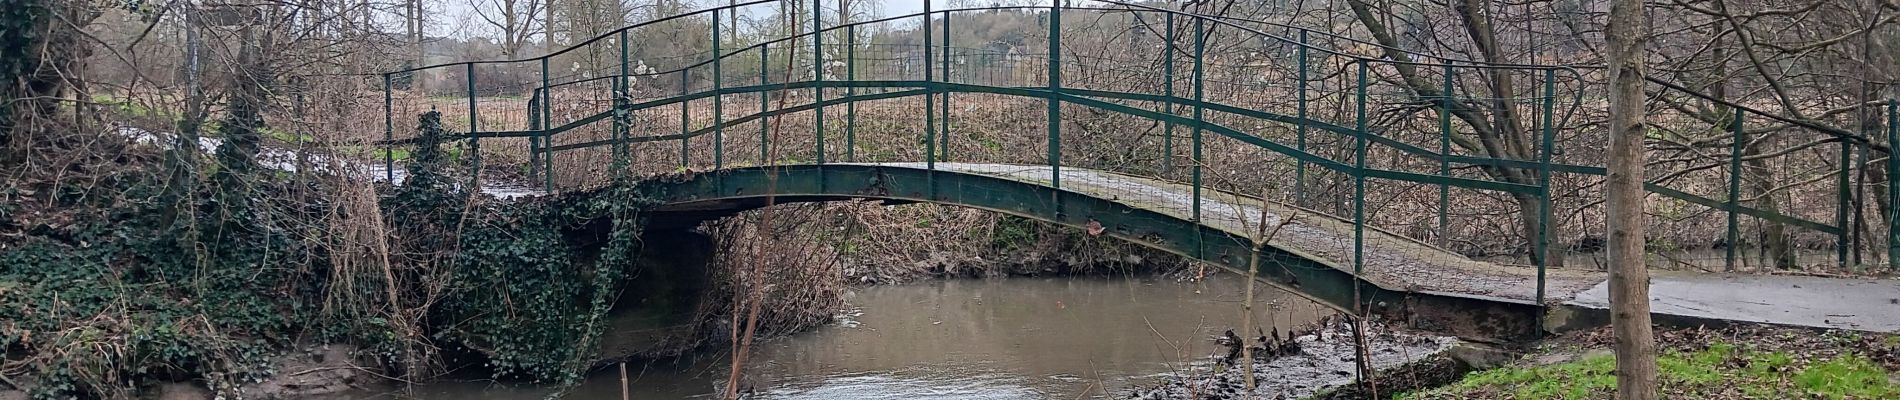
<point>1738,363</point>
<point>1723,370</point>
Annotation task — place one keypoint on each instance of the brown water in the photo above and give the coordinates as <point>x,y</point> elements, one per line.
<point>1016,338</point>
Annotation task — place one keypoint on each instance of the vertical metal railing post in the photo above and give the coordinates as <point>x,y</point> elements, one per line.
<point>930,97</point>
<point>1359,179</point>
<point>818,76</point>
<point>389,129</point>
<point>1200,89</point>
<point>538,126</point>
<point>1734,235</point>
<point>1167,90</point>
<point>534,125</point>
<point>1055,93</point>
<point>1200,53</point>
<point>623,117</point>
<point>686,119</point>
<point>1299,136</point>
<point>1444,152</point>
<point>474,128</point>
<point>1893,190</point>
<point>540,114</point>
<point>719,97</point>
<point>1544,154</point>
<point>944,148</point>
<point>547,118</point>
<point>765,145</point>
<point>851,108</point>
<point>1860,197</point>
<point>1842,197</point>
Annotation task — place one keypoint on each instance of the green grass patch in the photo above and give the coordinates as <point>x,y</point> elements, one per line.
<point>373,152</point>
<point>210,127</point>
<point>125,106</point>
<point>1723,370</point>
<point>282,135</point>
<point>1850,376</point>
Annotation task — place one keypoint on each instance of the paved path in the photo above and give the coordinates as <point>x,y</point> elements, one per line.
<point>286,160</point>
<point>1838,303</point>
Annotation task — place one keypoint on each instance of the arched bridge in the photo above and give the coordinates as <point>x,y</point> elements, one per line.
<point>1136,122</point>
<point>1311,253</point>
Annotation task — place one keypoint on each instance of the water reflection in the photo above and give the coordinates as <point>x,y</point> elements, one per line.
<point>1015,338</point>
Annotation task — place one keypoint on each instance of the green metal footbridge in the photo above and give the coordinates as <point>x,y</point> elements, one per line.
<point>1437,191</point>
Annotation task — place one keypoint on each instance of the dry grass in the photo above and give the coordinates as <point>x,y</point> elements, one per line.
<point>800,280</point>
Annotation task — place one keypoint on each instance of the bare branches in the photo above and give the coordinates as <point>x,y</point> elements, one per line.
<point>514,19</point>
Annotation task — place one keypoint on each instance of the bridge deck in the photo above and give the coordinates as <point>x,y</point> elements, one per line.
<point>1392,261</point>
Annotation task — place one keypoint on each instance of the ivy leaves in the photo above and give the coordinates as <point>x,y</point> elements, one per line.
<point>518,290</point>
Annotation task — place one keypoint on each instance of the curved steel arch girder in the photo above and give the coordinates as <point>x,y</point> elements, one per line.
<point>720,193</point>
<point>690,199</point>
<point>1074,96</point>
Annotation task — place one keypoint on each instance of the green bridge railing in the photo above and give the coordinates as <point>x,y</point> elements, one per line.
<point>1318,115</point>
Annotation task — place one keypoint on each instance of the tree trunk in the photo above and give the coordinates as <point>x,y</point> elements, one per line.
<point>1877,175</point>
<point>183,156</point>
<point>237,155</point>
<point>1629,277</point>
<point>1775,248</point>
<point>1497,130</point>
<point>1528,220</point>
<point>51,51</point>
<point>413,20</point>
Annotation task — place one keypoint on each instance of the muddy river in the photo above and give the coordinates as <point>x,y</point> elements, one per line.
<point>1015,338</point>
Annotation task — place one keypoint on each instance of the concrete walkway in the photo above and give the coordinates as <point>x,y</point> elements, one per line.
<point>1834,303</point>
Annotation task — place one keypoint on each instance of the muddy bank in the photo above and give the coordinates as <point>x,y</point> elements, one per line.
<point>880,244</point>
<point>1323,360</point>
<point>324,371</point>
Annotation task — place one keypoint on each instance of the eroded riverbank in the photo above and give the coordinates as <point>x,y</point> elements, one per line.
<point>1324,361</point>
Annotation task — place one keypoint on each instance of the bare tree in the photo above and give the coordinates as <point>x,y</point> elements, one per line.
<point>412,22</point>
<point>514,19</point>
<point>1498,128</point>
<point>1629,277</point>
